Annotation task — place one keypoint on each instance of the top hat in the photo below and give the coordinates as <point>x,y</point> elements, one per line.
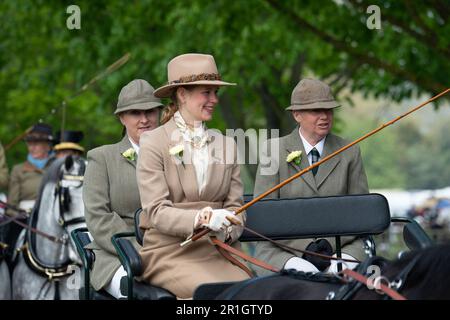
<point>69,141</point>
<point>191,69</point>
<point>312,94</point>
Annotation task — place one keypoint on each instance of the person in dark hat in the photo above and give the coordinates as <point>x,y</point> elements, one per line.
<point>110,191</point>
<point>69,144</point>
<point>312,106</point>
<point>26,177</point>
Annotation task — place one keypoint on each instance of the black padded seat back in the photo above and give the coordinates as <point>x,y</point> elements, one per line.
<point>302,218</point>
<point>139,233</point>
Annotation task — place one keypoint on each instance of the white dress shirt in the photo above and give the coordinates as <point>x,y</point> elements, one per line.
<point>319,146</point>
<point>134,145</point>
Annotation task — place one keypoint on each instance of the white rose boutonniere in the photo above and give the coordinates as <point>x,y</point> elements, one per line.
<point>295,156</point>
<point>177,152</point>
<point>130,154</point>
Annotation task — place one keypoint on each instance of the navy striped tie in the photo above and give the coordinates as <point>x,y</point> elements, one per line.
<point>314,158</point>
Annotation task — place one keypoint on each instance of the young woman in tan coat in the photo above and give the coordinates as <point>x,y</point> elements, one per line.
<point>188,178</point>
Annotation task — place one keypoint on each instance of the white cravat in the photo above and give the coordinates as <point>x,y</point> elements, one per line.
<point>197,144</point>
<point>319,146</point>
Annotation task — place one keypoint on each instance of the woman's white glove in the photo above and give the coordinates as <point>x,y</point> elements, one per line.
<point>345,265</point>
<point>218,220</point>
<point>300,264</point>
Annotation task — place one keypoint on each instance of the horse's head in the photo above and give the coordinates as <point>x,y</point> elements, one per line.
<point>59,210</point>
<point>69,191</point>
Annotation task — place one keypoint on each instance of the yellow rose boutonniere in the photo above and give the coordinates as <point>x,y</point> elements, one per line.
<point>177,152</point>
<point>295,156</point>
<point>130,154</point>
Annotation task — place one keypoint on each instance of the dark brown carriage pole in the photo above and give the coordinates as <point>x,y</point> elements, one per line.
<point>201,233</point>
<point>111,68</point>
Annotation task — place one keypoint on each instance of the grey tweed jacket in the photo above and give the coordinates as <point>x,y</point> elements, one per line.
<point>343,174</point>
<point>111,197</point>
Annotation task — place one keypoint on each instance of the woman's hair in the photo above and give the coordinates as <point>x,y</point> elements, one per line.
<point>172,107</point>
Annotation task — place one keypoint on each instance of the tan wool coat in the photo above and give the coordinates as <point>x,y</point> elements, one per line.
<point>24,183</point>
<point>343,174</point>
<point>111,197</point>
<point>170,201</point>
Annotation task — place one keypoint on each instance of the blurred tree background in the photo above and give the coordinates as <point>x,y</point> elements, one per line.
<point>266,46</point>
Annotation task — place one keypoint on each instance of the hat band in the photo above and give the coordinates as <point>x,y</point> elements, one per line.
<point>196,77</point>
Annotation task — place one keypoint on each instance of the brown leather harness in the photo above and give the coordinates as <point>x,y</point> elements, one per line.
<point>227,251</point>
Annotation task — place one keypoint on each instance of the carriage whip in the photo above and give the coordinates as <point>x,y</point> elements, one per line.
<point>111,68</point>
<point>203,232</point>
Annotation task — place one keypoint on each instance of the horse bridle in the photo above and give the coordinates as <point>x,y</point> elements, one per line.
<point>391,289</point>
<point>64,196</point>
<point>22,214</point>
<point>63,269</point>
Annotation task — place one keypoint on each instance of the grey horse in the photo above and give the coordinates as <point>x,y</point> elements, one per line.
<point>5,287</point>
<point>5,277</point>
<point>48,269</point>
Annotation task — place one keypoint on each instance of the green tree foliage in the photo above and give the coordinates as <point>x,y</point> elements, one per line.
<point>265,46</point>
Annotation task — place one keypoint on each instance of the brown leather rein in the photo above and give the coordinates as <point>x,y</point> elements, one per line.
<point>23,215</point>
<point>367,281</point>
<point>227,250</point>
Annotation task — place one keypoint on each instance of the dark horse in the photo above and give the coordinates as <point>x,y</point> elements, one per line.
<point>417,275</point>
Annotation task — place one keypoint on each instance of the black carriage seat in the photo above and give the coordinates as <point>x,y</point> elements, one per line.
<point>335,216</point>
<point>81,239</point>
<point>132,263</point>
<point>319,217</point>
<point>281,219</point>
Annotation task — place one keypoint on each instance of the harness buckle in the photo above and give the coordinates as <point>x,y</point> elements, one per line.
<point>64,239</point>
<point>396,284</point>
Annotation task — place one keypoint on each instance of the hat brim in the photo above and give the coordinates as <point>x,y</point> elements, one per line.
<point>314,105</point>
<point>68,146</point>
<point>166,91</point>
<point>140,106</point>
<point>38,139</point>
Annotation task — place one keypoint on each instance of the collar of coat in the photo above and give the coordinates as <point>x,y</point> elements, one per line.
<point>123,146</point>
<point>186,172</point>
<point>294,142</point>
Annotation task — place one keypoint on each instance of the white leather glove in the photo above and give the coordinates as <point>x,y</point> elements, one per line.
<point>345,265</point>
<point>218,220</point>
<point>300,264</point>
